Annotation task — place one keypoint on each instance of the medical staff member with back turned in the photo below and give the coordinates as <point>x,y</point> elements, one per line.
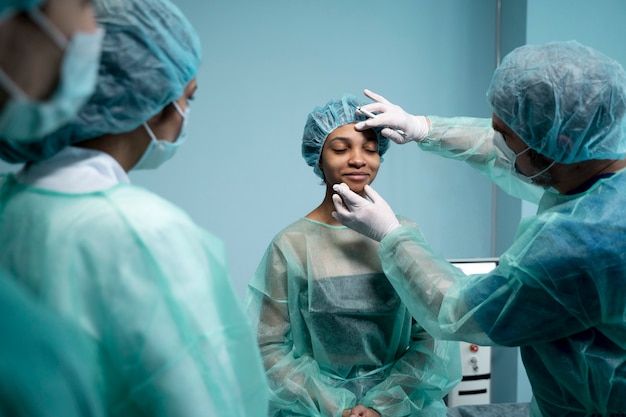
<point>44,359</point>
<point>143,281</point>
<point>558,127</point>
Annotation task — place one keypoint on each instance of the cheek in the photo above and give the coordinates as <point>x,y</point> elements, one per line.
<point>374,164</point>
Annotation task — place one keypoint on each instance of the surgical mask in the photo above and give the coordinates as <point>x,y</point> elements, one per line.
<point>508,158</point>
<point>24,119</point>
<point>160,150</point>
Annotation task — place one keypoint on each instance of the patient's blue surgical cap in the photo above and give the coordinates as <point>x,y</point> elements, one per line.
<point>565,100</point>
<point>324,119</point>
<point>11,6</point>
<point>150,53</point>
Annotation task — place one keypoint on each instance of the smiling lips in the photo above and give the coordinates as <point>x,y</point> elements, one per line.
<point>357,176</point>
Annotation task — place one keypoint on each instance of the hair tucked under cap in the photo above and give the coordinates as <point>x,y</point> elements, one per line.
<point>150,53</point>
<point>323,120</point>
<point>565,100</point>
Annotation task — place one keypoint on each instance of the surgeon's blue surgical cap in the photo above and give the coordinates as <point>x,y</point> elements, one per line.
<point>565,100</point>
<point>11,6</point>
<point>150,53</point>
<point>323,120</point>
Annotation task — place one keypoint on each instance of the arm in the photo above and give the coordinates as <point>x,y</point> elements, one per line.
<point>419,380</point>
<point>471,140</point>
<point>461,138</point>
<point>296,383</point>
<point>515,304</point>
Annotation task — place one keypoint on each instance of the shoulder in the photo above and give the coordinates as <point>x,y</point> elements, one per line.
<point>142,215</point>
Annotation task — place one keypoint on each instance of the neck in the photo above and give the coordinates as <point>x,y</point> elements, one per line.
<point>323,212</point>
<point>126,148</point>
<point>571,176</point>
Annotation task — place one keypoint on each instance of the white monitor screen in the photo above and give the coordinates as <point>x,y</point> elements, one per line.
<point>475,265</point>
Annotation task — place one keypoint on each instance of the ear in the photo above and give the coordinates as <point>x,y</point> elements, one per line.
<point>162,115</point>
<point>565,142</point>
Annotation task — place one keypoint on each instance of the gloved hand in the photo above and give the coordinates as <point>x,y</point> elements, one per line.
<point>374,219</point>
<point>392,117</point>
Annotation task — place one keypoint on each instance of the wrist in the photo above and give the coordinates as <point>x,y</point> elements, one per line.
<point>422,128</point>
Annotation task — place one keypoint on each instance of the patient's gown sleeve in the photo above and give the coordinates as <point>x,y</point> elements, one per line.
<point>297,387</point>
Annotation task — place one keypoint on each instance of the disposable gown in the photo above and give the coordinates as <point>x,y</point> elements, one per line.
<point>558,291</point>
<point>333,333</point>
<point>44,361</point>
<point>149,287</point>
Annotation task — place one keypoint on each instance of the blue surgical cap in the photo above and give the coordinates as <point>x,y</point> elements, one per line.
<point>565,100</point>
<point>150,53</point>
<point>323,120</point>
<point>11,6</point>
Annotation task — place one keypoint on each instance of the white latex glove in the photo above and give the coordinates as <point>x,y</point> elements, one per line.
<point>392,117</point>
<point>374,219</point>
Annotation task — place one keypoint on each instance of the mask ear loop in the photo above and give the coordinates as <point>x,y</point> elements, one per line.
<point>546,169</point>
<point>47,26</point>
<point>58,38</point>
<point>183,113</point>
<point>11,87</point>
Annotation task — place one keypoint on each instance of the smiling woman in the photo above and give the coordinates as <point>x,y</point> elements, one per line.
<point>335,338</point>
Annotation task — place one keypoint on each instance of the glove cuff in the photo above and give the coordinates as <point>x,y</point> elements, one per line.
<point>422,128</point>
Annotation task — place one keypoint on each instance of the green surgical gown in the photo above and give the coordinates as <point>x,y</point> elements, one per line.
<point>44,361</point>
<point>149,287</point>
<point>333,333</point>
<point>558,292</point>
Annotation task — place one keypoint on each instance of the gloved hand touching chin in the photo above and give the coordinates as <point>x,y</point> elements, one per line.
<point>374,219</point>
<point>391,116</point>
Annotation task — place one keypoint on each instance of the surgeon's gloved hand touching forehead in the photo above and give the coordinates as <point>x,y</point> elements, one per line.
<point>371,217</point>
<point>398,125</point>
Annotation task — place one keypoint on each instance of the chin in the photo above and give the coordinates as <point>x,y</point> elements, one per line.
<point>359,189</point>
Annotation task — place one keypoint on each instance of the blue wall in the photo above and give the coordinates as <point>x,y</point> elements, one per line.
<point>267,64</point>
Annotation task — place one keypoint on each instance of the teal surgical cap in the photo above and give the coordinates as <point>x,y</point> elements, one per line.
<point>11,6</point>
<point>150,53</point>
<point>565,100</point>
<point>323,120</point>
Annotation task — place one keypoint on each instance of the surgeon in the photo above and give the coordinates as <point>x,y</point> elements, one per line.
<point>558,128</point>
<point>335,338</point>
<point>49,56</point>
<point>141,279</point>
<point>44,359</point>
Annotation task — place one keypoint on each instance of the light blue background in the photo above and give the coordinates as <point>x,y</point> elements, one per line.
<point>267,64</point>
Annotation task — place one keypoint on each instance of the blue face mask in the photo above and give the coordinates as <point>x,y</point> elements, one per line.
<point>24,119</point>
<point>160,150</point>
<point>508,158</point>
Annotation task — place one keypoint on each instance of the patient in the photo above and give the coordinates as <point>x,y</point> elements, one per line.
<point>334,336</point>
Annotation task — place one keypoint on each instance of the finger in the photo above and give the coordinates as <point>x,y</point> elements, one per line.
<point>374,96</point>
<point>349,197</point>
<point>377,108</point>
<point>393,135</point>
<point>338,203</point>
<point>372,194</point>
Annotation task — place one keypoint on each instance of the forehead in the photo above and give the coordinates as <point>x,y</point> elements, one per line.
<point>349,132</point>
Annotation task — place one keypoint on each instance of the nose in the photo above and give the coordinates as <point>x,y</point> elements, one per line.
<point>356,159</point>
